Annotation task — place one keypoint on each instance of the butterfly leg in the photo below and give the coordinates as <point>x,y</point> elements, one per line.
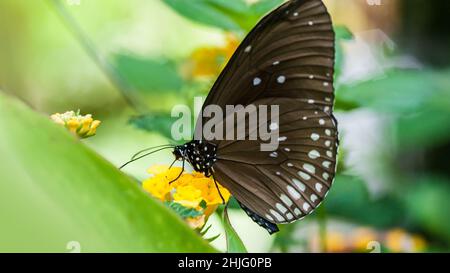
<point>179,175</point>
<point>218,190</point>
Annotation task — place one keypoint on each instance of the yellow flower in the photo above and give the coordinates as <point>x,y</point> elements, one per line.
<point>335,242</point>
<point>79,125</point>
<point>398,240</point>
<point>209,61</point>
<point>188,196</point>
<point>362,237</point>
<point>191,190</point>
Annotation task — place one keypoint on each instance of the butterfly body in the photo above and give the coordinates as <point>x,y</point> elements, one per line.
<point>201,155</point>
<point>286,60</point>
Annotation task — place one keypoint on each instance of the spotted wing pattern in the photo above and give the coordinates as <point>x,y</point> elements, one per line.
<point>286,60</point>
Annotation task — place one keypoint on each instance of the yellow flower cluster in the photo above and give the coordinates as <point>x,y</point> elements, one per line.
<point>360,239</point>
<point>191,190</point>
<point>398,240</point>
<point>209,61</point>
<point>82,126</point>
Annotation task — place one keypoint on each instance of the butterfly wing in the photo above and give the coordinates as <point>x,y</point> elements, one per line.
<point>290,53</point>
<point>286,60</point>
<point>287,184</point>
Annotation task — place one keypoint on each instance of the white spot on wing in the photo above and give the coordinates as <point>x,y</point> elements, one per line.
<point>295,194</point>
<point>319,187</point>
<point>290,216</point>
<point>315,136</point>
<point>306,206</point>
<point>310,168</point>
<point>281,79</point>
<point>299,184</point>
<point>314,154</point>
<point>286,200</point>
<point>277,215</point>
<point>257,81</point>
<point>304,175</point>
<point>281,208</point>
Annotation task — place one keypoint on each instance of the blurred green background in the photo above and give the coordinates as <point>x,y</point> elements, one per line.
<point>129,62</point>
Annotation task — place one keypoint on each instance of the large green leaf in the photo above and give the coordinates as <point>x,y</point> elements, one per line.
<point>54,191</point>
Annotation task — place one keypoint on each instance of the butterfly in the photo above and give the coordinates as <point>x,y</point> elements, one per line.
<point>286,60</point>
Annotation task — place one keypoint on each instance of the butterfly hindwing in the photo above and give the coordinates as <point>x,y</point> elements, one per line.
<point>283,185</point>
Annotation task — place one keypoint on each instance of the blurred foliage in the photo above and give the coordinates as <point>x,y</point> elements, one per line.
<point>69,193</point>
<point>154,122</point>
<point>149,75</point>
<point>235,15</point>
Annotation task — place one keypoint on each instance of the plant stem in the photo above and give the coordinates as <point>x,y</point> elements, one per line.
<point>322,221</point>
<point>125,89</point>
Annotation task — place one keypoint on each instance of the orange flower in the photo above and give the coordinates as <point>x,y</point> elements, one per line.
<point>209,61</point>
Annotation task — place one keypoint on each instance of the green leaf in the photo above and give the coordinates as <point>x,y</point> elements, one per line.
<point>183,211</point>
<point>55,192</point>
<point>427,204</point>
<point>212,239</point>
<point>350,199</point>
<point>342,33</point>
<point>148,75</point>
<point>234,243</point>
<point>418,99</point>
<point>264,6</point>
<point>209,12</point>
<point>237,15</point>
<point>155,122</point>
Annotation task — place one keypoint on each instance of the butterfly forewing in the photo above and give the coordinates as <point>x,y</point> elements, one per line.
<point>290,53</point>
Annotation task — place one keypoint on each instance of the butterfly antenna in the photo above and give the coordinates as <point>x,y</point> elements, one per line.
<point>142,156</point>
<point>151,148</point>
<point>218,190</point>
<point>179,175</point>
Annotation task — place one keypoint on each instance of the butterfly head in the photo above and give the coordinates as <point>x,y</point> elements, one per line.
<point>178,152</point>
